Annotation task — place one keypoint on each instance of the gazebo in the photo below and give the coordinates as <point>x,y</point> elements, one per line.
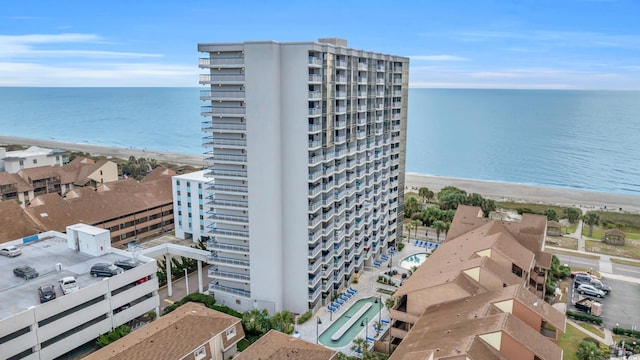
<point>614,237</point>
<point>554,228</point>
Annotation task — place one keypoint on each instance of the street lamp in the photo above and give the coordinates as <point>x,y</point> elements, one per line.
<point>186,280</point>
<point>364,323</point>
<point>318,322</point>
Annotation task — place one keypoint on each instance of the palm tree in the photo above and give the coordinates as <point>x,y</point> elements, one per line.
<point>439,226</point>
<point>591,218</point>
<point>425,194</point>
<point>411,206</point>
<point>256,321</point>
<point>378,327</point>
<point>415,224</point>
<point>390,303</point>
<point>409,227</point>
<point>588,350</point>
<point>283,321</point>
<point>360,345</point>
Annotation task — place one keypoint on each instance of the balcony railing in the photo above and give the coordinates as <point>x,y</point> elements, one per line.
<point>315,94</point>
<point>315,111</point>
<point>235,60</point>
<point>231,142</point>
<point>218,94</point>
<point>232,173</point>
<point>362,66</point>
<point>232,218</point>
<point>230,203</point>
<point>315,61</point>
<point>228,260</point>
<point>209,125</point>
<point>216,245</point>
<point>229,188</point>
<point>222,110</point>
<point>341,63</point>
<point>228,157</point>
<point>341,79</point>
<point>215,273</point>
<point>315,78</point>
<point>228,289</point>
<point>209,78</point>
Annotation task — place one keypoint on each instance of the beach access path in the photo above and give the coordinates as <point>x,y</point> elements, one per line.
<point>500,191</point>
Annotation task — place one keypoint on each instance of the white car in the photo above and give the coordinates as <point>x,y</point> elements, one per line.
<point>590,290</point>
<point>10,251</point>
<point>68,285</point>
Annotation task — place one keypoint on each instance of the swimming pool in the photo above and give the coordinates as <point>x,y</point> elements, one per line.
<point>371,314</point>
<point>413,260</point>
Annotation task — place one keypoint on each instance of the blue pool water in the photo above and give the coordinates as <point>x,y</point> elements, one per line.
<point>413,260</point>
<point>356,328</point>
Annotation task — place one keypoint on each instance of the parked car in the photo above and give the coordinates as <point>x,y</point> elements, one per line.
<point>68,285</point>
<point>574,273</point>
<point>10,251</point>
<point>590,290</point>
<point>126,264</point>
<point>26,272</point>
<point>600,286</point>
<point>105,270</point>
<point>581,279</point>
<point>46,293</point>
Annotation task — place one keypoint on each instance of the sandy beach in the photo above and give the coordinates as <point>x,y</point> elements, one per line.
<point>528,193</point>
<point>492,189</point>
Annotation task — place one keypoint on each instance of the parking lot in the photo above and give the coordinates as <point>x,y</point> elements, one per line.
<point>619,307</point>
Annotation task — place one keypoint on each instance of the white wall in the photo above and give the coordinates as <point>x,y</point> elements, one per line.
<point>195,191</point>
<point>295,157</point>
<point>264,138</point>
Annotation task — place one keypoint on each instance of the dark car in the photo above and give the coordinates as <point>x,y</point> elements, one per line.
<point>46,293</point>
<point>126,264</point>
<point>581,279</point>
<point>26,272</point>
<point>105,270</point>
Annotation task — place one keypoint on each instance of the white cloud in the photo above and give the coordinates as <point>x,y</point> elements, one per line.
<point>437,58</point>
<point>98,74</point>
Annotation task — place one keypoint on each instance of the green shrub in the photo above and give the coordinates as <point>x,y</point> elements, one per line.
<point>111,336</point>
<point>151,315</point>
<point>304,317</point>
<point>626,332</point>
<point>400,246</point>
<point>584,317</point>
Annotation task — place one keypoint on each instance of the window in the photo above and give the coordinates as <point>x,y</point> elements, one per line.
<point>179,202</point>
<point>188,205</point>
<point>189,194</point>
<point>178,192</point>
<point>230,332</point>
<point>58,159</point>
<point>200,207</point>
<point>200,353</point>
<point>35,161</point>
<point>201,217</point>
<point>188,184</point>
<point>199,186</point>
<point>179,212</point>
<point>21,163</point>
<point>201,227</point>
<point>100,172</point>
<point>189,215</point>
<point>200,196</point>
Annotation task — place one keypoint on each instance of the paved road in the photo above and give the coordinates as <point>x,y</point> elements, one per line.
<point>179,288</point>
<point>617,270</point>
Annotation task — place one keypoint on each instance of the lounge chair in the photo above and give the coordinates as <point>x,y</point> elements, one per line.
<point>353,290</point>
<point>384,321</point>
<point>347,294</point>
<point>343,298</point>
<point>340,302</point>
<point>385,258</point>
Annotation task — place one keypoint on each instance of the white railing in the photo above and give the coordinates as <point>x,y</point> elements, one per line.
<point>315,78</point>
<point>219,94</point>
<point>221,61</point>
<point>207,78</point>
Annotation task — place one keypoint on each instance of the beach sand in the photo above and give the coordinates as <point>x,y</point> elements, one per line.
<point>491,189</point>
<point>502,191</point>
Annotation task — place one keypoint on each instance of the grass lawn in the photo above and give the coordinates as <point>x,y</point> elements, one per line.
<point>625,262</point>
<point>631,248</point>
<point>592,328</point>
<point>585,256</point>
<point>243,344</point>
<point>563,242</point>
<point>569,342</point>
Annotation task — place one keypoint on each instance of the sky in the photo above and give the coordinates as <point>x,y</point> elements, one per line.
<point>508,44</point>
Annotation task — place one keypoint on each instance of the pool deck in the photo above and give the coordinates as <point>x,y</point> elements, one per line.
<point>367,287</point>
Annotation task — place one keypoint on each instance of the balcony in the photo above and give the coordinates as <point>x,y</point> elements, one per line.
<point>221,78</point>
<point>341,64</point>
<point>215,259</point>
<point>223,126</point>
<point>227,289</point>
<point>341,79</point>
<point>227,157</point>
<point>241,204</point>
<point>229,188</point>
<point>315,61</point>
<point>221,95</point>
<point>231,218</point>
<point>362,66</point>
<point>341,109</point>
<point>361,107</point>
<point>315,111</point>
<point>315,78</point>
<point>380,81</point>
<point>209,141</point>
<point>230,232</point>
<point>228,275</point>
<point>228,173</point>
<point>341,94</point>
<point>216,245</point>
<point>315,144</point>
<point>362,79</point>
<point>314,95</point>
<point>215,62</point>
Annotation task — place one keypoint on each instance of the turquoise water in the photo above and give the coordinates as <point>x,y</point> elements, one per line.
<point>576,139</point>
<point>371,315</point>
<point>413,260</point>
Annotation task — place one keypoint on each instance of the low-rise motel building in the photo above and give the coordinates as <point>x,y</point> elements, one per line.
<point>480,295</point>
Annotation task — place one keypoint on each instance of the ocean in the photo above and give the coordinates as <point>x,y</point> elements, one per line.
<point>572,139</point>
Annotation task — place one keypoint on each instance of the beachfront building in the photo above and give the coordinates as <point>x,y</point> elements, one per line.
<point>32,329</point>
<point>188,205</point>
<point>306,142</point>
<point>14,161</point>
<point>480,294</point>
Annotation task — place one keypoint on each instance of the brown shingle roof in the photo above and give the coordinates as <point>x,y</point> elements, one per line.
<point>276,346</point>
<point>452,328</point>
<point>14,223</point>
<point>173,336</point>
<point>614,232</point>
<point>14,179</point>
<point>553,224</point>
<point>90,206</point>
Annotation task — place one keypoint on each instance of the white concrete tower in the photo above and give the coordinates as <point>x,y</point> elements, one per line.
<point>306,142</point>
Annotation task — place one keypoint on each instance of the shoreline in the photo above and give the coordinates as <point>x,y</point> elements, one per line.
<point>504,191</point>
<point>500,191</point>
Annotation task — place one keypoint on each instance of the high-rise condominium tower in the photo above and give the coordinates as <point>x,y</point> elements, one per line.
<point>306,142</point>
